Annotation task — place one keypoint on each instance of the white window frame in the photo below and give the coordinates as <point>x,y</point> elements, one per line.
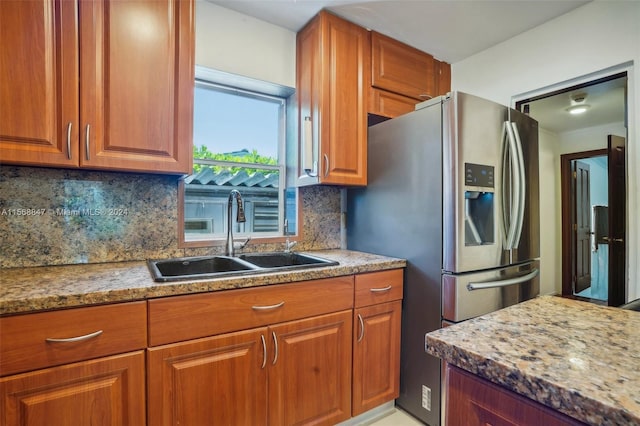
<point>260,89</point>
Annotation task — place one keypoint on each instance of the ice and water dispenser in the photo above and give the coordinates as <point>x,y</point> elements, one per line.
<point>479,204</point>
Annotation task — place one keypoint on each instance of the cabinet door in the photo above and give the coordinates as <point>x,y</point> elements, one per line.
<point>391,105</point>
<point>106,391</point>
<point>219,380</point>
<point>39,82</point>
<point>376,355</point>
<point>333,84</point>
<point>136,85</point>
<point>400,68</point>
<point>310,372</point>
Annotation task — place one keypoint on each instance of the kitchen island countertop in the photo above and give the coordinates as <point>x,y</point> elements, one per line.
<point>575,357</point>
<point>43,288</point>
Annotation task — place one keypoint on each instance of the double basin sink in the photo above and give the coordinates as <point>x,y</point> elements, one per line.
<point>222,266</point>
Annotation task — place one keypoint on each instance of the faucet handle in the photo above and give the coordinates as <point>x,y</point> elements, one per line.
<point>241,245</point>
<point>288,245</point>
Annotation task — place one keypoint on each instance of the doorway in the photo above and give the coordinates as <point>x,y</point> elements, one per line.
<point>585,201</point>
<point>590,267</point>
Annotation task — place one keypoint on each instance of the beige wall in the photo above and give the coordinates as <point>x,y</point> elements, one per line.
<point>550,250</point>
<point>239,44</point>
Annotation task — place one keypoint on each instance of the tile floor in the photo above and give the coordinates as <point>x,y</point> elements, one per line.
<point>396,418</point>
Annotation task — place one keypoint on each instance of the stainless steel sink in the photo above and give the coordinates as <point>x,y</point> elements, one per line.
<point>280,260</point>
<point>198,267</point>
<point>222,266</point>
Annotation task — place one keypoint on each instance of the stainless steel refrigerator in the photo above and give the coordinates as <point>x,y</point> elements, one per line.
<point>453,188</point>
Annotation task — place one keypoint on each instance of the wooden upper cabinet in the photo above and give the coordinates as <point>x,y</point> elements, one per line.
<point>39,82</point>
<point>401,69</point>
<point>137,77</point>
<point>333,57</point>
<point>98,84</point>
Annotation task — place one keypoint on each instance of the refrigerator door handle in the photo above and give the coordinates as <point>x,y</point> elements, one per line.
<point>510,158</point>
<point>503,283</point>
<point>523,189</point>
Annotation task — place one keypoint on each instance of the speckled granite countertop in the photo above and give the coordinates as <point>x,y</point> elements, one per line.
<point>55,287</point>
<point>578,358</point>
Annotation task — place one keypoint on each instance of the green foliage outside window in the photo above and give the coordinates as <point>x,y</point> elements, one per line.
<point>203,152</point>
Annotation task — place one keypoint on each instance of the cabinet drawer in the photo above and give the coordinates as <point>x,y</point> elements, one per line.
<point>180,318</point>
<point>33,341</point>
<point>378,287</point>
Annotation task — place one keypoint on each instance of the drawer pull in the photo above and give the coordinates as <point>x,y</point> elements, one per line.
<point>380,290</point>
<point>266,308</point>
<point>74,339</point>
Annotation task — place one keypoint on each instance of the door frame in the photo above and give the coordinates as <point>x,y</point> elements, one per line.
<point>567,211</point>
<point>519,101</point>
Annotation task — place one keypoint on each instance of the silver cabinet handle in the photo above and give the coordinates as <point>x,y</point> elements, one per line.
<point>86,141</point>
<point>275,343</point>
<point>74,339</point>
<point>264,351</point>
<point>380,290</point>
<point>326,165</point>
<point>266,308</point>
<point>361,321</point>
<point>308,165</point>
<point>503,283</point>
<point>69,141</point>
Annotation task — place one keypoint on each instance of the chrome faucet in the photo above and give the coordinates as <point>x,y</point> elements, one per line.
<point>240,218</point>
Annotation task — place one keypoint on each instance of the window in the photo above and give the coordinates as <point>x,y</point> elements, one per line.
<point>239,143</point>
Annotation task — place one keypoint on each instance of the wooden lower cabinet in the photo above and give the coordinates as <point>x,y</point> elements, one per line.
<point>219,380</point>
<point>107,391</point>
<point>376,355</point>
<point>298,372</point>
<point>310,372</point>
<point>471,400</point>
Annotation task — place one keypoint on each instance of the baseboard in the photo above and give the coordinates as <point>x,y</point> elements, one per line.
<point>370,416</point>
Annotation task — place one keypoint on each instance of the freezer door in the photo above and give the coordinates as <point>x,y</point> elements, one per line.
<point>489,185</point>
<point>467,296</point>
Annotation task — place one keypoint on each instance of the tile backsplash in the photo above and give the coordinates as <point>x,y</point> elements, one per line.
<point>56,217</point>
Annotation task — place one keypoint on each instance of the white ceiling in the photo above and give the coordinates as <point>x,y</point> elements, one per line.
<point>450,30</point>
<point>606,106</point>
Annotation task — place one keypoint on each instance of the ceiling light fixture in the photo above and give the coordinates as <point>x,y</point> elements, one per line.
<point>578,106</point>
<point>578,109</point>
